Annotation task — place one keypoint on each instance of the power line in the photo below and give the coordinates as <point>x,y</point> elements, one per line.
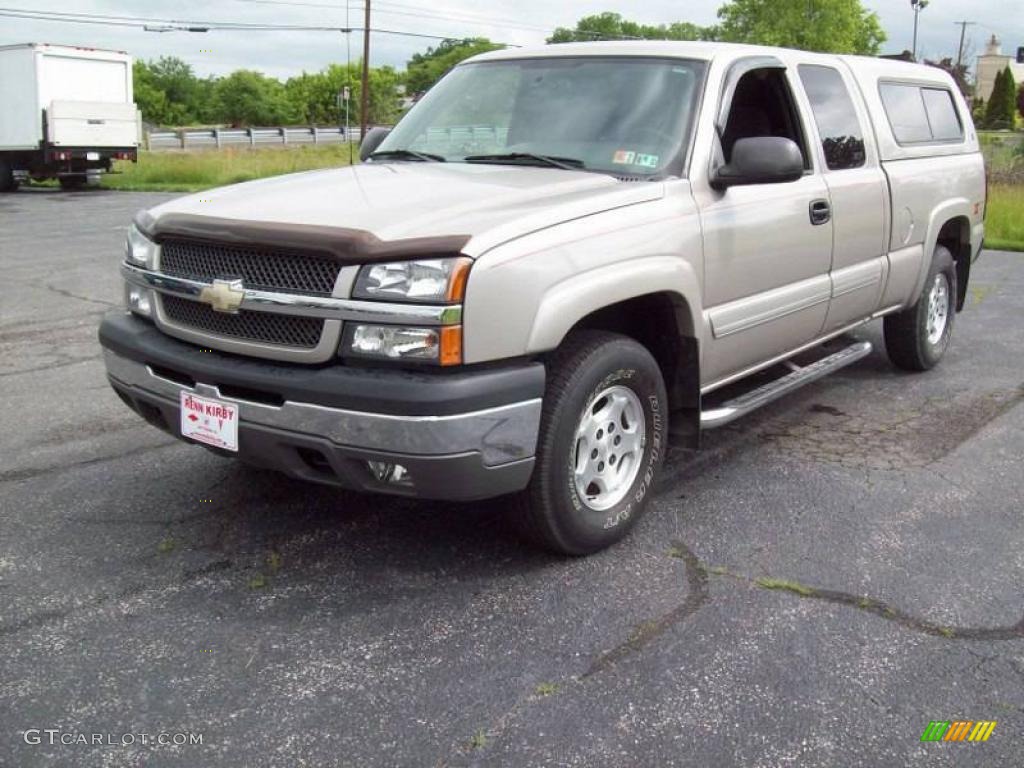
<point>413,12</point>
<point>203,26</point>
<point>463,17</point>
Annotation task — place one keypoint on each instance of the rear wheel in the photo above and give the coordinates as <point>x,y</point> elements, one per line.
<point>601,444</point>
<point>7,180</point>
<point>917,338</point>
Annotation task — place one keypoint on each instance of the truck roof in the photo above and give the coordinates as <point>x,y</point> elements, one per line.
<point>59,47</point>
<point>705,51</point>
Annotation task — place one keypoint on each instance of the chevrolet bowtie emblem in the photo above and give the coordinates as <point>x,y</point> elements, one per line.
<point>223,295</point>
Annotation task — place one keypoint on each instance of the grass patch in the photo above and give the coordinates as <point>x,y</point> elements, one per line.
<point>259,581</point>
<point>196,171</point>
<point>479,740</point>
<point>546,689</point>
<point>787,586</point>
<point>1004,220</point>
<point>166,545</point>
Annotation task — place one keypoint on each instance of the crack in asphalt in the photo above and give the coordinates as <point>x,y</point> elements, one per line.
<point>43,618</point>
<point>16,475</point>
<point>78,297</point>
<point>697,577</point>
<point>51,366</point>
<point>648,631</point>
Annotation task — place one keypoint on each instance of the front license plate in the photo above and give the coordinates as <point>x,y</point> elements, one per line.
<point>209,421</point>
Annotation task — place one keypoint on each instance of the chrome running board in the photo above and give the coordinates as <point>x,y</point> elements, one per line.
<point>733,409</point>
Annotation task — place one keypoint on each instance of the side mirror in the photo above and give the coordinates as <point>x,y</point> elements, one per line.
<point>371,141</point>
<point>760,160</point>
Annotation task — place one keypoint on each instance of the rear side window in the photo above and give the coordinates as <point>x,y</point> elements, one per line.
<point>920,115</point>
<point>938,103</point>
<point>842,138</point>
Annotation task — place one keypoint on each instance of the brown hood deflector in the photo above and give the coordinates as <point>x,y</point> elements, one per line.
<point>345,246</point>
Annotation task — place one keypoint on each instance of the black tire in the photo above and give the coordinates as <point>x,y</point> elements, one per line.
<point>7,181</point>
<point>551,511</point>
<point>907,333</point>
<point>69,183</point>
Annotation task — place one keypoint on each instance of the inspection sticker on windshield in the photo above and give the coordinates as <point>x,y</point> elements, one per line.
<point>623,157</point>
<point>209,421</point>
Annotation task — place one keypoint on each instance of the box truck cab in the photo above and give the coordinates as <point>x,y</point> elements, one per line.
<point>67,113</point>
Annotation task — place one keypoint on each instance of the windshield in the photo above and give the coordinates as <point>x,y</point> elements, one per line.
<point>628,116</point>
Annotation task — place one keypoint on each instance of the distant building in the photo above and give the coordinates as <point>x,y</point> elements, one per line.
<point>991,63</point>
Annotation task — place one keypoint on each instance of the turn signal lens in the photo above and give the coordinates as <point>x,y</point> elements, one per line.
<point>440,346</point>
<point>451,345</point>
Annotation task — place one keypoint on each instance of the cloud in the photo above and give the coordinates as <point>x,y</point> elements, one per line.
<point>524,22</point>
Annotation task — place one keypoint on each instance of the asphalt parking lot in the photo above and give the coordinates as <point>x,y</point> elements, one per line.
<point>812,589</point>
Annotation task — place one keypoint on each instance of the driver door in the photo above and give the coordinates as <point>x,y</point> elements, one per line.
<point>767,247</point>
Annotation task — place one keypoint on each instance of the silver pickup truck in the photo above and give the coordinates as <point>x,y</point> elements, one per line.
<point>554,255</point>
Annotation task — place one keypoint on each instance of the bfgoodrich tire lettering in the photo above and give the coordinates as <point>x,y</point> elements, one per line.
<point>589,365</point>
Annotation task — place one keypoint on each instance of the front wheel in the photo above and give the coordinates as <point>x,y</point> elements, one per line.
<point>602,440</point>
<point>917,338</point>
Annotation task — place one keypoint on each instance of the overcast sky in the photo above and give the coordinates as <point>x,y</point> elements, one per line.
<point>522,22</point>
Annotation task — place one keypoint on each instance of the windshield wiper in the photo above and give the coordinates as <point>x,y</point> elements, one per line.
<point>529,158</point>
<point>409,154</point>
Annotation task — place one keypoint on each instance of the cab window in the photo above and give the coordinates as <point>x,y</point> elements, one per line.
<point>842,138</point>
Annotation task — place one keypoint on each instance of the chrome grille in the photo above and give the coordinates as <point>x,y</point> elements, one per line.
<point>261,327</point>
<point>260,268</point>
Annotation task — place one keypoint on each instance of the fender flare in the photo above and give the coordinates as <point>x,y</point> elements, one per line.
<point>566,303</point>
<point>951,209</point>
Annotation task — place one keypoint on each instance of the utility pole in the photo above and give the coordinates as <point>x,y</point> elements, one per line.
<point>963,33</point>
<point>365,95</point>
<point>918,6</point>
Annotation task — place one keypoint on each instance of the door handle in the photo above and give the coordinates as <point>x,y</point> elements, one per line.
<point>821,212</point>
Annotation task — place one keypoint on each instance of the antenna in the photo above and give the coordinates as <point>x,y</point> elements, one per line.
<point>348,72</point>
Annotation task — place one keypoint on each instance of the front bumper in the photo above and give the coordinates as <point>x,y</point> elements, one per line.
<point>461,436</point>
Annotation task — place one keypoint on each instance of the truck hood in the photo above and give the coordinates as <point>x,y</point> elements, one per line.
<point>487,204</point>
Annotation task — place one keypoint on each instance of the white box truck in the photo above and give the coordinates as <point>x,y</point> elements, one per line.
<point>65,113</point>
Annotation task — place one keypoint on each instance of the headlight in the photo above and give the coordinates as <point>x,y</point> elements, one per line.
<point>428,280</point>
<point>140,251</point>
<point>440,346</point>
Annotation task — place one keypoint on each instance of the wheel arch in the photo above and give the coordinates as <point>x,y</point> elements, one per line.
<point>955,235</point>
<point>950,226</point>
<point>631,299</point>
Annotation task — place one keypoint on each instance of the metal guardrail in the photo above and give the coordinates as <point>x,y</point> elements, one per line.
<point>487,138</point>
<point>233,137</point>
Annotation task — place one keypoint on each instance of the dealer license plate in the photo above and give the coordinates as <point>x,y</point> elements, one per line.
<point>209,421</point>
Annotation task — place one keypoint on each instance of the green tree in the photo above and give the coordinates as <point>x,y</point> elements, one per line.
<point>978,112</point>
<point>1010,94</point>
<point>151,95</point>
<point>1003,101</point>
<point>425,69</point>
<point>611,26</point>
<point>834,26</point>
<point>314,96</point>
<point>246,97</point>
